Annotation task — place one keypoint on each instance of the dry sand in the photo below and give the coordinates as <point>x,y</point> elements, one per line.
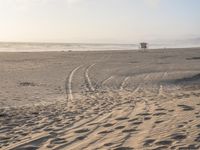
<point>119,100</point>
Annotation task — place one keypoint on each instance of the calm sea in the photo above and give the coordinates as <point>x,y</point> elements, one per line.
<point>39,47</point>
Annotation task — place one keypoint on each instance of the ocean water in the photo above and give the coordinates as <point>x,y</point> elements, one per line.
<point>30,47</point>
<point>39,47</point>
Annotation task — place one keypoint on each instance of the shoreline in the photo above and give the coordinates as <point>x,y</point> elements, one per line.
<point>79,47</point>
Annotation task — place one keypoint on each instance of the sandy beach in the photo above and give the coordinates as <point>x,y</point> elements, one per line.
<point>121,100</point>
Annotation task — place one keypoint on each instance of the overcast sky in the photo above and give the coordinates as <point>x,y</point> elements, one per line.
<point>99,21</point>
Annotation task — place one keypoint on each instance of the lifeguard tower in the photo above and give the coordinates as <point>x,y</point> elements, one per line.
<point>143,45</point>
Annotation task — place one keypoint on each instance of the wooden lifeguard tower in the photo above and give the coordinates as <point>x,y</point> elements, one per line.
<point>143,45</point>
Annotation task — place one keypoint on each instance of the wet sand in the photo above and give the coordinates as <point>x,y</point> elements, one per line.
<point>118,100</point>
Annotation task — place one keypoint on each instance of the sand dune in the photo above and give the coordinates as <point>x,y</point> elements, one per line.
<point>120,100</point>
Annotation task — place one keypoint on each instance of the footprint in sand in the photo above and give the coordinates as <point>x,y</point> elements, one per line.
<point>197,138</point>
<point>105,132</point>
<point>82,131</point>
<point>108,144</point>
<point>108,125</point>
<point>197,113</point>
<point>180,126</point>
<point>58,141</point>
<point>129,130</point>
<point>161,148</point>
<point>198,126</point>
<point>134,119</point>
<point>81,137</point>
<point>121,118</point>
<point>159,121</point>
<point>28,147</point>
<point>143,114</point>
<point>160,109</point>
<point>159,114</point>
<point>171,110</point>
<point>189,147</point>
<point>120,127</point>
<point>123,148</point>
<point>178,136</point>
<point>149,142</point>
<point>147,118</point>
<point>186,107</point>
<point>164,142</point>
<point>137,123</point>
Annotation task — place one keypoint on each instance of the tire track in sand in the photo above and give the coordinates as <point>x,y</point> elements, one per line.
<point>123,83</point>
<point>106,80</point>
<point>160,90</point>
<point>87,79</point>
<point>68,84</point>
<point>146,77</point>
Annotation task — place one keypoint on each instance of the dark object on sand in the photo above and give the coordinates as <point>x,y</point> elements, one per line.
<point>193,58</point>
<point>27,84</point>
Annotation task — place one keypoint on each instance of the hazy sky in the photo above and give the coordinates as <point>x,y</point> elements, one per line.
<point>107,21</point>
